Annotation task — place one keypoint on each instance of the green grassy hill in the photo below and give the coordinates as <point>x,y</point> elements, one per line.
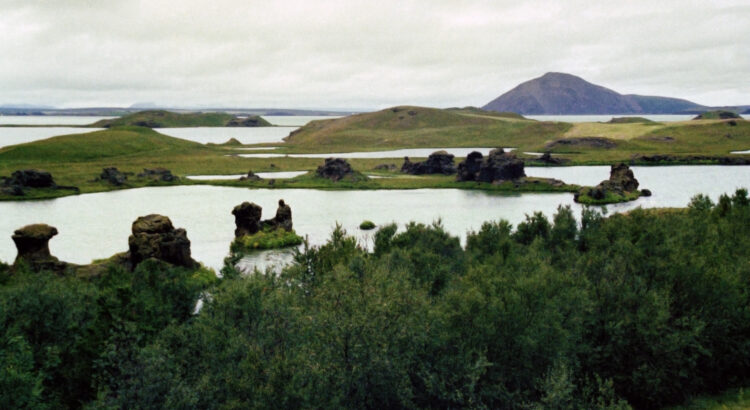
<point>408,126</point>
<point>115,142</point>
<point>167,119</point>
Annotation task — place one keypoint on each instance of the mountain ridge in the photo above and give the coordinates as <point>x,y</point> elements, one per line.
<point>557,93</point>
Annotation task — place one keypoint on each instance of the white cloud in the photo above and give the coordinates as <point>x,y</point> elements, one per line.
<point>362,54</point>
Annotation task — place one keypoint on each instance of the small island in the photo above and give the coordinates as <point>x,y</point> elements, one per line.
<point>620,187</point>
<point>169,119</point>
<point>253,234</point>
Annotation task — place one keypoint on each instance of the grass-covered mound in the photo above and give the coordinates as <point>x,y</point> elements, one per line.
<point>718,115</point>
<point>167,119</point>
<point>265,239</point>
<point>630,120</point>
<point>587,196</point>
<point>115,142</point>
<point>408,126</point>
<point>367,225</point>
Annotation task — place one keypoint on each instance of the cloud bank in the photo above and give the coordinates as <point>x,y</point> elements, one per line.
<point>362,54</point>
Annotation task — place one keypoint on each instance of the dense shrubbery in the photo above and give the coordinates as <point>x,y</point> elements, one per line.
<point>645,308</point>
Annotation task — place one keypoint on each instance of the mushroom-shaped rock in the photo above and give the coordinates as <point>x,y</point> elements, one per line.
<point>32,242</point>
<point>439,162</point>
<point>334,169</point>
<point>246,219</point>
<point>155,237</point>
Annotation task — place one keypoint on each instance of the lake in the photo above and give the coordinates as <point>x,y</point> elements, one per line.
<point>20,135</point>
<point>98,225</point>
<point>50,119</point>
<point>396,153</point>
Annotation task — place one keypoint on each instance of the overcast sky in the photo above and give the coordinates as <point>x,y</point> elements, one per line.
<point>364,54</point>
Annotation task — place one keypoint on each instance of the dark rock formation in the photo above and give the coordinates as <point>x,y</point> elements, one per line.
<point>591,142</point>
<point>250,177</point>
<point>689,159</point>
<point>158,174</point>
<point>334,169</point>
<point>621,182</point>
<point>439,162</point>
<point>155,237</point>
<point>113,176</point>
<point>645,192</point>
<point>32,242</point>
<point>497,167</point>
<point>246,219</point>
<point>31,178</point>
<point>469,168</point>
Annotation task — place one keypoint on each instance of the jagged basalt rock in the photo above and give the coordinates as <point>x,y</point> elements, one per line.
<point>32,243</point>
<point>155,237</point>
<point>283,218</point>
<point>621,177</point>
<point>31,178</point>
<point>246,218</point>
<point>439,162</point>
<point>334,169</point>
<point>158,174</point>
<point>497,167</point>
<point>113,176</point>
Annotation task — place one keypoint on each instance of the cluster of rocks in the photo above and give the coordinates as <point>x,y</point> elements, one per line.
<point>24,179</point>
<point>334,169</point>
<point>153,237</point>
<point>621,182</point>
<point>113,176</point>
<point>250,177</point>
<point>497,167</point>
<point>439,162</point>
<point>247,219</point>
<point>158,174</point>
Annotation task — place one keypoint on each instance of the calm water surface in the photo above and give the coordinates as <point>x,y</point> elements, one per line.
<point>20,135</point>
<point>50,119</point>
<point>98,225</point>
<point>219,135</point>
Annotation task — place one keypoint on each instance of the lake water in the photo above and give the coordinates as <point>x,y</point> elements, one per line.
<point>50,119</point>
<point>264,175</point>
<point>98,225</point>
<point>220,135</point>
<point>605,118</point>
<point>397,153</point>
<point>20,135</point>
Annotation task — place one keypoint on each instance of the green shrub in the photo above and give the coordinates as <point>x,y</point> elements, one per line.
<point>367,225</point>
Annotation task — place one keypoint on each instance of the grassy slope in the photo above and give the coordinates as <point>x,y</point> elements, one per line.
<point>411,127</point>
<point>166,119</point>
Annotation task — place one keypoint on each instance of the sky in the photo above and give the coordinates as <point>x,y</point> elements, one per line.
<point>359,55</point>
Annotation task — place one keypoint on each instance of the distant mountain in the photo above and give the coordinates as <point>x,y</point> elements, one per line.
<point>566,94</point>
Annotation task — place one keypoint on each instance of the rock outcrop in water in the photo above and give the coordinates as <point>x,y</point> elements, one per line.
<point>499,166</point>
<point>439,162</point>
<point>32,243</point>
<point>247,219</point>
<point>620,187</point>
<point>335,169</point>
<point>155,237</point>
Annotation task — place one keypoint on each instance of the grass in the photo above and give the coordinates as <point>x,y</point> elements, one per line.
<point>585,198</point>
<point>618,131</point>
<point>267,239</point>
<point>166,119</point>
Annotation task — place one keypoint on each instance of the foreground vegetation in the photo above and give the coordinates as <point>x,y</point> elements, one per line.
<point>644,309</point>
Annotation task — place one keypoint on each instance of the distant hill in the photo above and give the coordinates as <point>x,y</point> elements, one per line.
<point>566,94</point>
<point>166,119</point>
